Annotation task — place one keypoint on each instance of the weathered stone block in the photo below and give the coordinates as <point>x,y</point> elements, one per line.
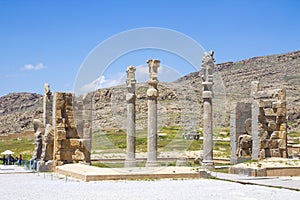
<point>278,104</point>
<point>60,135</point>
<point>66,137</point>
<point>265,103</point>
<point>275,135</point>
<point>283,127</point>
<point>282,135</point>
<point>262,154</point>
<point>269,112</point>
<point>281,111</point>
<point>281,144</point>
<point>283,153</point>
<point>78,156</point>
<point>271,126</point>
<point>71,133</point>
<point>75,143</point>
<point>273,143</point>
<point>264,144</point>
<point>275,153</point>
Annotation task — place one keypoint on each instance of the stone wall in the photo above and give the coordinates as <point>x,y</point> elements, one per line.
<point>269,122</point>
<point>240,131</point>
<point>69,144</point>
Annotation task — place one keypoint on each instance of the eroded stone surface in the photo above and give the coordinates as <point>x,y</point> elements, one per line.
<point>66,135</point>
<point>207,95</point>
<point>130,160</point>
<point>269,122</point>
<point>152,94</point>
<point>68,146</point>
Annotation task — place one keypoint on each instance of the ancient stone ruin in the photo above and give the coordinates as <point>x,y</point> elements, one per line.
<point>65,134</point>
<point>60,139</point>
<point>130,160</point>
<point>208,64</point>
<point>152,94</point>
<point>259,129</point>
<point>240,132</point>
<point>269,122</point>
<point>69,145</point>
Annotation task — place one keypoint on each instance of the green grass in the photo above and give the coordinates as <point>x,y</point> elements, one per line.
<point>23,146</point>
<point>294,134</point>
<point>111,141</point>
<point>221,170</point>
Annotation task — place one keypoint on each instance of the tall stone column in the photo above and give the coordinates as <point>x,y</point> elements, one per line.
<point>152,94</point>
<point>47,105</point>
<point>207,95</point>
<point>130,160</point>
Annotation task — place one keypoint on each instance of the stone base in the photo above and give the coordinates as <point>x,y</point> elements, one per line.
<point>181,162</point>
<point>207,164</point>
<point>268,167</point>
<point>45,167</point>
<point>130,163</point>
<point>239,160</point>
<point>152,164</point>
<point>91,173</point>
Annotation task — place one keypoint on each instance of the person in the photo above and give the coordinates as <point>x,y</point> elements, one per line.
<point>9,159</point>
<point>12,160</point>
<point>35,164</point>
<point>4,160</point>
<point>20,160</point>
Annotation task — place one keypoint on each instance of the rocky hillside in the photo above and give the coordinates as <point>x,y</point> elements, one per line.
<point>17,110</point>
<point>179,102</point>
<point>275,71</point>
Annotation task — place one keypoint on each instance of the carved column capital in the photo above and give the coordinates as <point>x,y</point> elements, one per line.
<point>130,82</point>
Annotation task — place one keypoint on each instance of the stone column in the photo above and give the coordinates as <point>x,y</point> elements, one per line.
<point>130,160</point>
<point>152,94</point>
<point>207,95</point>
<point>87,121</point>
<point>255,87</point>
<point>47,105</point>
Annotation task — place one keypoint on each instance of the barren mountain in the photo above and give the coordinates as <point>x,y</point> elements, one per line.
<point>180,101</point>
<point>17,111</point>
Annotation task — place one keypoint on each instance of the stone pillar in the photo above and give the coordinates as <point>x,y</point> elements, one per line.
<point>152,94</point>
<point>255,87</point>
<point>130,160</point>
<point>207,95</point>
<point>47,105</point>
<point>87,120</point>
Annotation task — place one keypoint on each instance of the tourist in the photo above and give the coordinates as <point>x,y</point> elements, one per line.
<point>20,160</point>
<point>9,159</point>
<point>35,164</point>
<point>12,160</point>
<point>4,160</point>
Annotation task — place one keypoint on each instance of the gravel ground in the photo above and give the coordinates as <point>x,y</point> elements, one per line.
<point>49,186</point>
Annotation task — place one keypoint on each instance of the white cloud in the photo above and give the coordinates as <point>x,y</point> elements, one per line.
<point>30,67</point>
<point>165,74</point>
<point>102,82</point>
<point>142,73</point>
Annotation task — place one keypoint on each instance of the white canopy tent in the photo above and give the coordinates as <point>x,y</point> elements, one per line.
<point>7,152</point>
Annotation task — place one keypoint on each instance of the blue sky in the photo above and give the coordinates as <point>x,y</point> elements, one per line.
<point>47,41</point>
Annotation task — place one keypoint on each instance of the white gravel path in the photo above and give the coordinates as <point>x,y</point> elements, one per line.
<point>44,187</point>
